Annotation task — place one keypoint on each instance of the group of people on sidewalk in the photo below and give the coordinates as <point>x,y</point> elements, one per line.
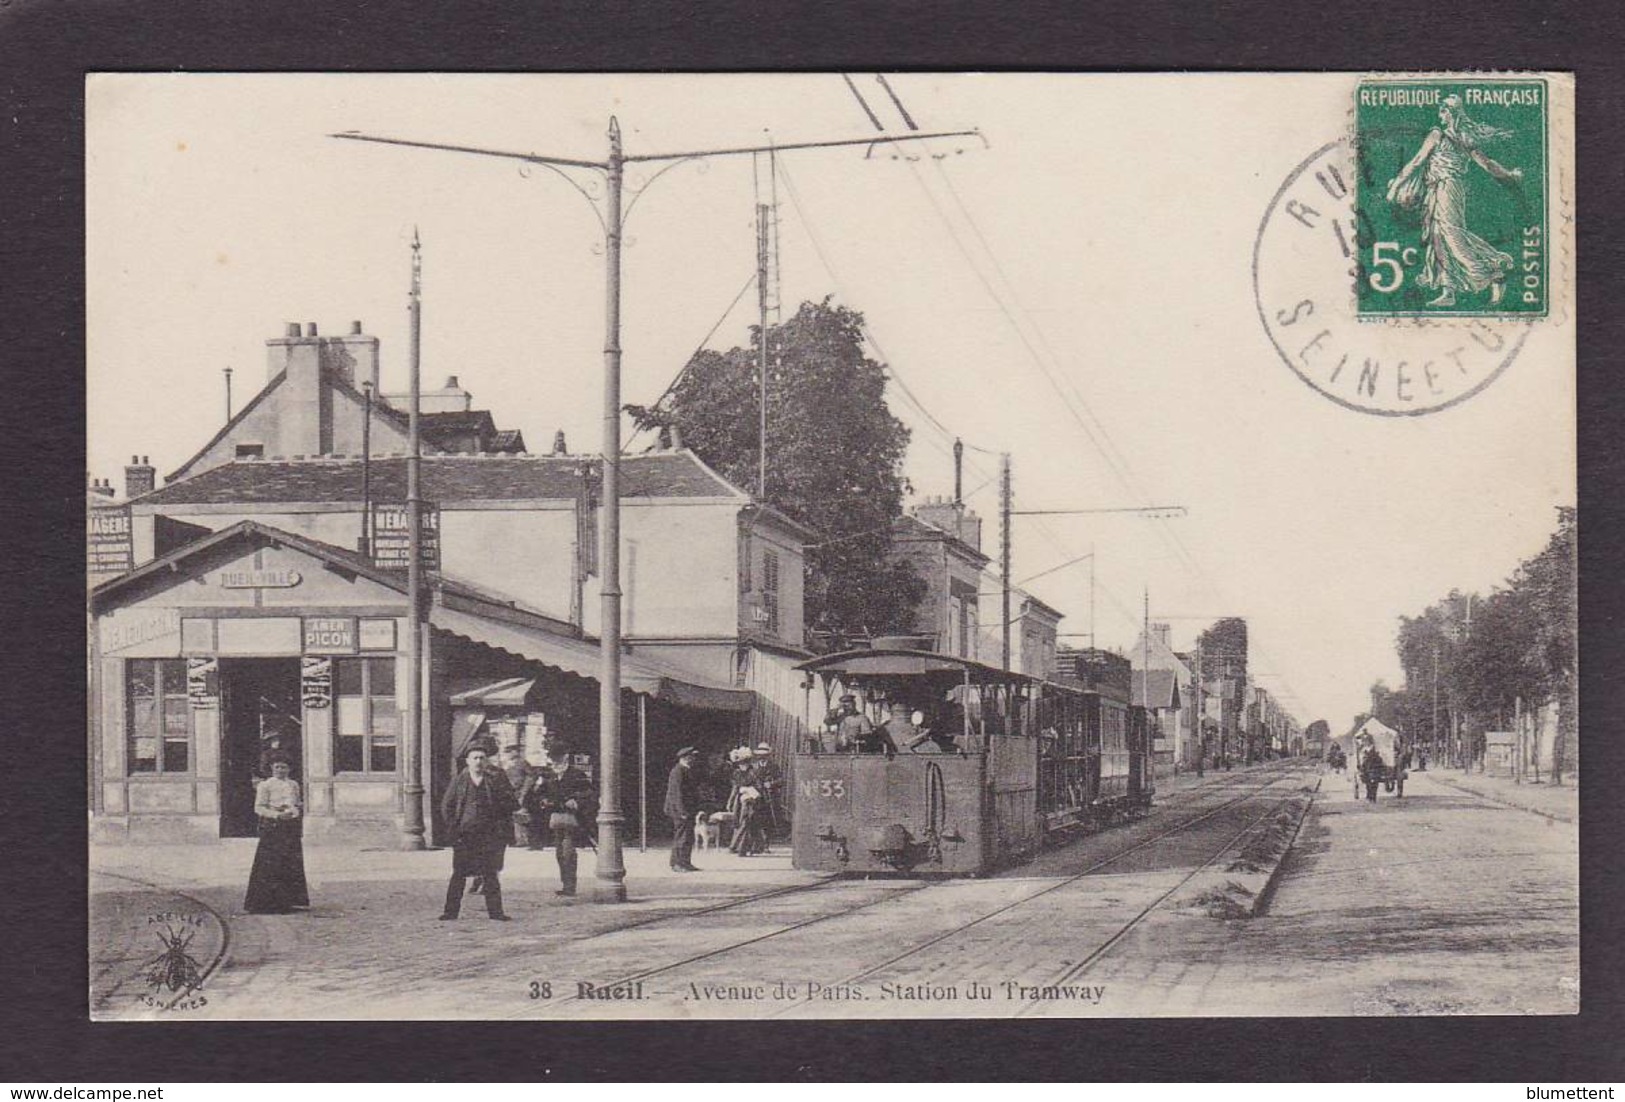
<point>494,803</point>
<point>557,802</point>
<point>754,811</point>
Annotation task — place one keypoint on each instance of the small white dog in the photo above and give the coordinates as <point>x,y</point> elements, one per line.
<point>705,831</point>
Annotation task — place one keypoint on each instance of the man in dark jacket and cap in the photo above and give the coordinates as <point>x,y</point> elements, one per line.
<point>682,801</point>
<point>569,803</point>
<point>478,808</point>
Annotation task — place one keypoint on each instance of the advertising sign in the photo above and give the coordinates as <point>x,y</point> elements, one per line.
<point>316,681</point>
<point>330,635</point>
<point>377,635</point>
<point>109,543</point>
<point>390,536</point>
<point>203,682</point>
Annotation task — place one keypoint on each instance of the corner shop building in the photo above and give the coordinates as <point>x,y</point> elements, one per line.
<point>252,638</point>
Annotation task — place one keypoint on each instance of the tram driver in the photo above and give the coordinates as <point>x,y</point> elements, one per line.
<point>852,727</point>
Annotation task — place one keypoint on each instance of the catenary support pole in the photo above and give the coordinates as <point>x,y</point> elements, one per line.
<point>611,871</point>
<point>412,812</point>
<point>611,867</point>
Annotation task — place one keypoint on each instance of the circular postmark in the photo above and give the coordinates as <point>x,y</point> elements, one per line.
<point>1305,264</point>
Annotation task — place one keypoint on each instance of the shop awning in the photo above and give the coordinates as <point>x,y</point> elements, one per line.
<point>580,657</point>
<point>510,693</point>
<point>464,725</point>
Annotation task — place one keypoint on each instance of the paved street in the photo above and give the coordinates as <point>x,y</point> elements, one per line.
<point>1442,902</point>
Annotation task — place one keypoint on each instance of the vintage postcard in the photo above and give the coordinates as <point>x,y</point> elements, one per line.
<point>839,545</point>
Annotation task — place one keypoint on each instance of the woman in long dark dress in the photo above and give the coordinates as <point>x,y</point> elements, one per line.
<point>277,883</point>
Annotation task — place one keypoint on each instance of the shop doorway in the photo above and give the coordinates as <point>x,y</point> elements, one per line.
<point>259,713</point>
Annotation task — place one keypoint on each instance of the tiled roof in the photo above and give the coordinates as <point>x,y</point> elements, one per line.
<point>445,479</point>
<point>460,420</point>
<point>508,440</point>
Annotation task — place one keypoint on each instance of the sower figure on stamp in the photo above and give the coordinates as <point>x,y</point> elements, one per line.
<point>478,808</point>
<point>1454,258</point>
<point>568,807</point>
<point>682,801</point>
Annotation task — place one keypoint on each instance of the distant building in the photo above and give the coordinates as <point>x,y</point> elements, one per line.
<point>1173,725</point>
<point>1034,629</point>
<point>942,541</point>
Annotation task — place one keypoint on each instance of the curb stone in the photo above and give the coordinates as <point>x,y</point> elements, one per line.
<point>1242,879</point>
<point>1503,802</point>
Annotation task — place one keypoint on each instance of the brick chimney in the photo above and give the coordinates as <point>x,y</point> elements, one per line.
<point>354,357</point>
<point>305,401</point>
<point>958,521</point>
<point>558,444</point>
<point>1160,635</point>
<point>140,477</point>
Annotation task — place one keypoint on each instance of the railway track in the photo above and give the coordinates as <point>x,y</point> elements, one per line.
<point>714,953</point>
<point>1075,970</point>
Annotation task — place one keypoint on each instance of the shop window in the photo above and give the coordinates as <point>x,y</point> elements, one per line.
<point>369,723</point>
<point>158,715</point>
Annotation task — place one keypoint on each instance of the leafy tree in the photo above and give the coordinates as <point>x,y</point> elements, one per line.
<point>1520,646</point>
<point>834,457</point>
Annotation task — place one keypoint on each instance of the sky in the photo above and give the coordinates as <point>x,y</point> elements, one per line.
<point>1074,290</point>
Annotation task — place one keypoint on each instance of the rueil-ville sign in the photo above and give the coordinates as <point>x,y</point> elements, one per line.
<point>260,579</point>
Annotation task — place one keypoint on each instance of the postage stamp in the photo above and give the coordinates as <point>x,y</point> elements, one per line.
<point>1451,197</point>
<point>752,730</point>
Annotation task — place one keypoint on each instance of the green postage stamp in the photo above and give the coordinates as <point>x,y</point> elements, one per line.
<point>1451,197</point>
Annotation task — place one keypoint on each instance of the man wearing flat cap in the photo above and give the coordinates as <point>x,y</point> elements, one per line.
<point>682,801</point>
<point>769,779</point>
<point>478,809</point>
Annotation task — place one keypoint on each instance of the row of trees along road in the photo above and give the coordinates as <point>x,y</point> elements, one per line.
<point>1517,645</point>
<point>834,458</point>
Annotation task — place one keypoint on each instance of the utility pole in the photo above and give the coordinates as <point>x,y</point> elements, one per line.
<point>1433,727</point>
<point>1145,666</point>
<point>611,868</point>
<point>228,392</point>
<point>1004,547</point>
<point>766,303</point>
<point>1091,596</point>
<point>959,471</point>
<point>412,827</point>
<point>1201,731</point>
<point>364,545</point>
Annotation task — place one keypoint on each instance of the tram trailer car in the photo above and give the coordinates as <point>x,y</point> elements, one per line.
<point>1024,760</point>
